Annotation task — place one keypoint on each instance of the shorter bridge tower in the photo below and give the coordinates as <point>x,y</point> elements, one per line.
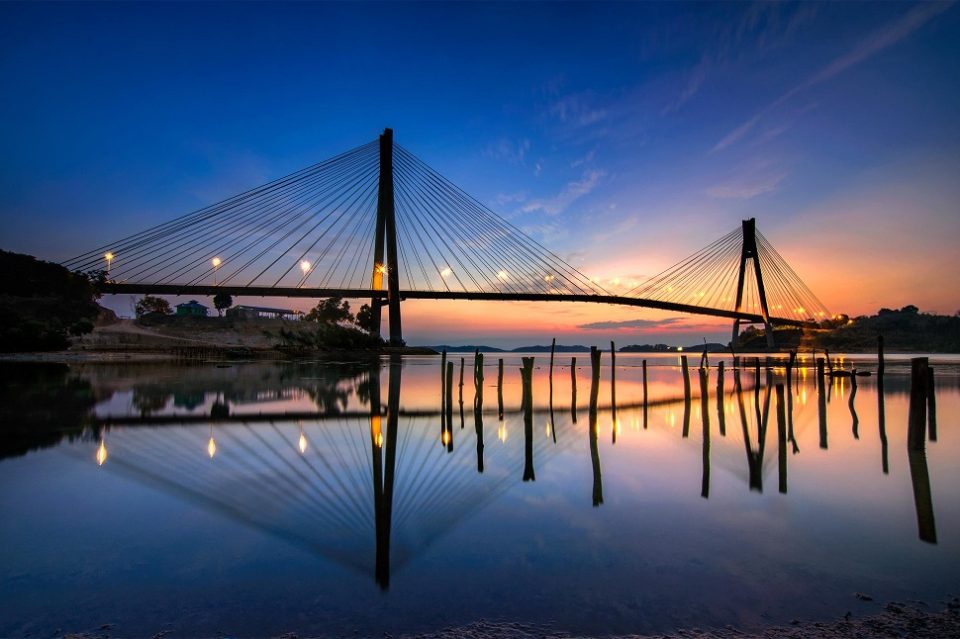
<point>749,251</point>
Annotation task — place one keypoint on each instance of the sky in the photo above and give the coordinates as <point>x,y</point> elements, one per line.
<point>622,136</point>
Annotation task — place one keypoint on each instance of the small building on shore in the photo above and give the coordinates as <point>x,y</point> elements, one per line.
<point>261,312</point>
<point>193,308</point>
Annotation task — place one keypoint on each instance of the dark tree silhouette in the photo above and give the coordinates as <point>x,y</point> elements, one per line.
<point>151,304</point>
<point>366,320</point>
<point>222,301</point>
<point>332,310</point>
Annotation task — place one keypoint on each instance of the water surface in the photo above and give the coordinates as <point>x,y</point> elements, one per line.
<point>261,498</point>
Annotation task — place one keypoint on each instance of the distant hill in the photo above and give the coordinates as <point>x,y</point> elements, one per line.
<point>904,330</point>
<point>467,349</point>
<point>577,348</point>
<point>712,347</point>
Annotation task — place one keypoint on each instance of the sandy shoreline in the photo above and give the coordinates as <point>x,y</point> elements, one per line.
<point>914,620</point>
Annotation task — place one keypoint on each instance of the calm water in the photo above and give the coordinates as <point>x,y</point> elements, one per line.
<point>255,499</point>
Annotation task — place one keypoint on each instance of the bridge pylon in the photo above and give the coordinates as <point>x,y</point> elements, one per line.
<point>749,250</point>
<point>385,237</point>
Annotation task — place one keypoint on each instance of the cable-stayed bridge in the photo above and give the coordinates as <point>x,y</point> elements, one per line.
<point>378,223</point>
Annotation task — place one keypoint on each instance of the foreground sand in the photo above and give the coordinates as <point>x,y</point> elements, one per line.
<point>914,621</point>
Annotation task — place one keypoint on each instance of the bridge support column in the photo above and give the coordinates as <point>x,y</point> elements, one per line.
<point>749,251</point>
<point>386,238</point>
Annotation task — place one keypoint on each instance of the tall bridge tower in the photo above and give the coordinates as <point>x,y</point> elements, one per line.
<point>749,251</point>
<point>386,234</point>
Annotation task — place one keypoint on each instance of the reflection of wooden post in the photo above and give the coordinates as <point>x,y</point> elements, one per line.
<point>721,416</point>
<point>526,375</point>
<point>594,427</point>
<point>460,390</point>
<point>882,423</point>
<point>931,405</point>
<point>449,407</point>
<point>781,440</point>
<point>644,394</point>
<point>686,395</point>
<point>478,422</point>
<point>705,415</point>
<point>853,410</point>
<point>500,389</point>
<point>821,404</point>
<point>916,429</point>
<point>922,498</point>
<point>573,389</point>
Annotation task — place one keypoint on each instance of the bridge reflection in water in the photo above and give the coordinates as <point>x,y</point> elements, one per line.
<point>371,484</point>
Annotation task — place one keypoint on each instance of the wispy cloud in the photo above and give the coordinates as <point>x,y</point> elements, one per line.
<point>633,324</point>
<point>504,149</point>
<point>570,193</point>
<point>873,44</point>
<point>746,190</point>
<point>761,29</point>
<point>691,88</point>
<point>510,198</point>
<point>577,109</point>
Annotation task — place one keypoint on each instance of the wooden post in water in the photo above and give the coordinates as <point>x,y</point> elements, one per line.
<point>460,392</point>
<point>443,380</point>
<point>553,348</point>
<point>686,395</point>
<point>478,373</point>
<point>500,389</point>
<point>526,375</point>
<point>821,404</point>
<point>644,365</point>
<point>931,405</point>
<point>594,427</point>
<point>613,389</point>
<point>721,415</point>
<point>917,426</point>
<point>573,389</point>
<point>736,362</point>
<point>880,363</point>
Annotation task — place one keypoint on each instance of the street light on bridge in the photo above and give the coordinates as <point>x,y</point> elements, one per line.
<point>216,265</point>
<point>109,258</point>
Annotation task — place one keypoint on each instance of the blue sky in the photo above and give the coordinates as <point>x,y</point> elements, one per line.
<point>623,136</point>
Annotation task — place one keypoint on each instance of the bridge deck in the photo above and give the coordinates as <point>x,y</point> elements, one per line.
<point>354,293</point>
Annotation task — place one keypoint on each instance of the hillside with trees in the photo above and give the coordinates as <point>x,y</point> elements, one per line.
<point>42,304</point>
<point>904,330</point>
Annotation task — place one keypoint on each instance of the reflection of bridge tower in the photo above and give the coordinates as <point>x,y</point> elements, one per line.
<point>749,251</point>
<point>383,474</point>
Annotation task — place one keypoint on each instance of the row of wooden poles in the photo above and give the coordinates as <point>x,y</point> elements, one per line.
<point>922,415</point>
